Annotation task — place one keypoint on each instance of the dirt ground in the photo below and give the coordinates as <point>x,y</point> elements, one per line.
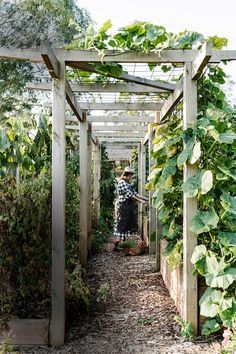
<point>131,312</point>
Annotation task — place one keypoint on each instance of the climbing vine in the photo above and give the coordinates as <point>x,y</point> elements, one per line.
<point>211,146</point>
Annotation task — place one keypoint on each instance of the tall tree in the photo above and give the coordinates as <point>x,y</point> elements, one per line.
<point>24,23</point>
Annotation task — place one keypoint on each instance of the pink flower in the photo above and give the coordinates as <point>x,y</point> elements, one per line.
<point>225,342</point>
<point>227,333</point>
<point>217,348</point>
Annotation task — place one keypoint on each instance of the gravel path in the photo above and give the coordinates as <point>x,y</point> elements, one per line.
<point>131,312</point>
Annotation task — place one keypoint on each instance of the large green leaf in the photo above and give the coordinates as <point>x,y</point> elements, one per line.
<point>206,181</point>
<point>4,141</point>
<point>204,221</point>
<point>227,238</point>
<point>223,279</point>
<point>229,203</point>
<point>227,172</point>
<point>209,302</point>
<point>198,253</point>
<point>191,186</point>
<point>200,183</point>
<point>184,155</point>
<point>227,316</point>
<point>227,137</point>
<point>210,326</point>
<point>196,153</point>
<point>157,199</point>
<point>199,259</point>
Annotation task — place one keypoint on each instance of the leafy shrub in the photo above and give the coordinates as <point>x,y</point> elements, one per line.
<point>128,244</point>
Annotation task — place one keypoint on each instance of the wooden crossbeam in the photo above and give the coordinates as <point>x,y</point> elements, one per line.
<point>118,106</point>
<point>120,140</point>
<point>110,128</point>
<point>172,100</point>
<point>145,139</point>
<point>201,60</point>
<point>129,78</point>
<point>97,87</point>
<point>118,119</point>
<point>120,135</point>
<point>131,128</point>
<point>73,56</point>
<point>50,59</point>
<point>73,103</point>
<point>52,64</point>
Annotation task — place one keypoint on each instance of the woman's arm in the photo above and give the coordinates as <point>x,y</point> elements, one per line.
<point>141,197</point>
<point>135,197</point>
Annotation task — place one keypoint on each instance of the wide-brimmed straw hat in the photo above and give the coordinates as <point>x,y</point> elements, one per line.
<point>128,169</point>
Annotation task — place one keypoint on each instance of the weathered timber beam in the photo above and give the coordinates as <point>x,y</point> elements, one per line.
<point>119,140</point>
<point>111,128</point>
<point>121,119</point>
<point>129,78</point>
<point>146,138</point>
<point>120,135</point>
<point>118,106</point>
<point>50,59</point>
<point>120,127</point>
<point>201,60</point>
<point>172,100</point>
<point>73,56</point>
<point>98,87</point>
<point>73,103</point>
<point>52,64</point>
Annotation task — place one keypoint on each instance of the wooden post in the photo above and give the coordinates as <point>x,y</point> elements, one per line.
<point>140,209</point>
<point>97,176</point>
<point>152,211</point>
<point>83,239</point>
<point>58,209</point>
<point>190,291</point>
<point>158,223</point>
<point>142,179</point>
<point>89,167</point>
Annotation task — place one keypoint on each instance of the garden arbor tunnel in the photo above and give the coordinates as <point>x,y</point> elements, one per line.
<point>134,132</point>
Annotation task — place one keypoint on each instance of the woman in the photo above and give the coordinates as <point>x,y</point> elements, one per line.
<point>126,222</point>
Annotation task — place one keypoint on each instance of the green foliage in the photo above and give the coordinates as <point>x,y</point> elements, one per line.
<point>104,228</point>
<point>210,326</point>
<point>187,329</point>
<point>24,23</point>
<point>146,321</point>
<point>5,345</point>
<point>26,146</point>
<point>77,294</point>
<point>103,292</point>
<point>128,244</point>
<point>25,245</point>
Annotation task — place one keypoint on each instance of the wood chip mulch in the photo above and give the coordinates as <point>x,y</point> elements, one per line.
<point>131,312</point>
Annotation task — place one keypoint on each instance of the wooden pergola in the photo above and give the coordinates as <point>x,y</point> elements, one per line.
<point>127,132</point>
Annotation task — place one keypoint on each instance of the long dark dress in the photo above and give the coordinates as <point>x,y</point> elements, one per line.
<point>126,222</point>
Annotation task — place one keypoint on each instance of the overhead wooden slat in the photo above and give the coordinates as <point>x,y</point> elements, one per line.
<point>98,87</point>
<point>50,59</point>
<point>172,100</point>
<point>109,128</point>
<point>201,60</point>
<point>52,64</point>
<point>120,140</point>
<point>73,103</point>
<point>119,134</point>
<point>121,119</point>
<point>129,78</point>
<point>118,106</point>
<point>73,56</point>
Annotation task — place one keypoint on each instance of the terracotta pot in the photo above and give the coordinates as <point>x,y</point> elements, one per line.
<point>135,251</point>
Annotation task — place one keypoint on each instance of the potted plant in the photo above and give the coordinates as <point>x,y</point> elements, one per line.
<point>132,247</point>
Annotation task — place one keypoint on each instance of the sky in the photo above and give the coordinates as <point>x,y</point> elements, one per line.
<point>209,17</point>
